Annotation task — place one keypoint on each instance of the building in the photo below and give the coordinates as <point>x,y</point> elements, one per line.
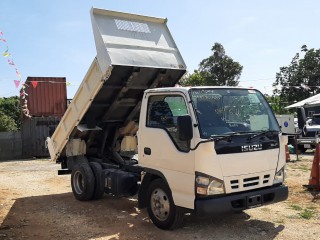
<point>311,105</point>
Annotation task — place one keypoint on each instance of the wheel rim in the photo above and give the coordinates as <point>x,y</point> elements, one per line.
<point>78,182</point>
<point>160,204</point>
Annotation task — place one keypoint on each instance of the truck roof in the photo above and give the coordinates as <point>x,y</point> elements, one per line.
<point>186,89</point>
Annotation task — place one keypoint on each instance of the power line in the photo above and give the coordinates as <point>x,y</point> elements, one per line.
<point>259,79</point>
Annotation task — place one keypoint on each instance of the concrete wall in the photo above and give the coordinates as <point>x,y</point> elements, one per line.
<point>10,145</point>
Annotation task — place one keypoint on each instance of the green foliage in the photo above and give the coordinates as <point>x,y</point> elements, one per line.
<point>194,79</point>
<point>217,70</point>
<point>302,71</point>
<point>277,105</point>
<point>296,207</point>
<point>307,214</point>
<point>10,114</point>
<point>7,123</point>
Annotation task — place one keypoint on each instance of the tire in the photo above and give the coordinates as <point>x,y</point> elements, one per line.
<point>161,209</point>
<point>72,161</point>
<point>99,180</point>
<point>82,182</point>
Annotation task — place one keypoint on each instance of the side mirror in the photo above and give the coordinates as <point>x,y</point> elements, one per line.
<point>185,129</point>
<point>302,119</point>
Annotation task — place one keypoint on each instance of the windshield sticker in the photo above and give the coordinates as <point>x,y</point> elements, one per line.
<point>259,122</point>
<point>251,91</point>
<point>253,98</point>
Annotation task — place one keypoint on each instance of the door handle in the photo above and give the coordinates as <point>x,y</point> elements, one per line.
<point>147,151</point>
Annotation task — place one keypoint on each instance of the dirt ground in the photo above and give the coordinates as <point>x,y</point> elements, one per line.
<point>36,203</point>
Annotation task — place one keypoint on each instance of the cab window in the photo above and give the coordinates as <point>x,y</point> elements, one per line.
<point>163,111</point>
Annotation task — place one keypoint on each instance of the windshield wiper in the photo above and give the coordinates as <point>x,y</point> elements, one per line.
<point>220,138</point>
<point>264,132</point>
<point>215,139</point>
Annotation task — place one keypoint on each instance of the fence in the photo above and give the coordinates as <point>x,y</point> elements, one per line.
<point>10,145</point>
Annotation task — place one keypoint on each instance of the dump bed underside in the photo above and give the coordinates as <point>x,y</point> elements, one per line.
<point>119,99</point>
<point>118,103</point>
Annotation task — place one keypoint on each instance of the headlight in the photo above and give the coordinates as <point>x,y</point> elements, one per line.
<point>202,180</point>
<point>279,177</point>
<point>206,185</point>
<point>215,187</point>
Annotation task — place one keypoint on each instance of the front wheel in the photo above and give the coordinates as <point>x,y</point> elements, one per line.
<point>161,209</point>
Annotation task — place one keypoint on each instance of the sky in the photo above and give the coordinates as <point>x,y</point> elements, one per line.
<point>55,39</point>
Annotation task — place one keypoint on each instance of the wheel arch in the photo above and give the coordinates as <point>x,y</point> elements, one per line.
<point>151,174</point>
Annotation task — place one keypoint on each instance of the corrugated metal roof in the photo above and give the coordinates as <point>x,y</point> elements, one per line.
<point>311,101</point>
<point>48,98</point>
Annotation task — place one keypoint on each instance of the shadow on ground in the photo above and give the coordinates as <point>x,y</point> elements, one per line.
<point>60,216</point>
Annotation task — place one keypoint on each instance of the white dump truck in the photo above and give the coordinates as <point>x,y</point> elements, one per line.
<point>129,131</point>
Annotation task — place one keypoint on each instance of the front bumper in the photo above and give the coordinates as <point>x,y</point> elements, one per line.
<point>310,141</point>
<point>240,201</point>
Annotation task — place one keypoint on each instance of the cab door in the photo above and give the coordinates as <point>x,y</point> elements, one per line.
<point>160,148</point>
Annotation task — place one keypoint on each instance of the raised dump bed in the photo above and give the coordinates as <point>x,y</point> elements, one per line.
<point>134,53</point>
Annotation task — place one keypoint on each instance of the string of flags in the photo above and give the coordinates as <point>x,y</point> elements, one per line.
<point>10,61</point>
<point>303,86</point>
<point>17,82</point>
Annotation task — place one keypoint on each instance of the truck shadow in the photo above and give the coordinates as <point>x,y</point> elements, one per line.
<point>60,216</point>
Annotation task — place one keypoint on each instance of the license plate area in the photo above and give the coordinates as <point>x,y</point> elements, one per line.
<point>306,145</point>
<point>254,201</point>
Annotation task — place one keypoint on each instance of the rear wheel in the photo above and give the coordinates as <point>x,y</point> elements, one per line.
<point>161,209</point>
<point>99,180</point>
<point>82,182</point>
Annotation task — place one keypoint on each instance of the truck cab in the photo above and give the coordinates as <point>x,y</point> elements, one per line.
<point>236,147</point>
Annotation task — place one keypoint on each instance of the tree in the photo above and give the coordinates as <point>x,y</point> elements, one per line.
<point>7,123</point>
<point>276,104</point>
<point>217,70</point>
<point>10,111</point>
<point>301,78</point>
<point>194,79</point>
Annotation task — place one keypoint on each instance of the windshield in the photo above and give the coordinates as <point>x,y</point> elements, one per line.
<point>225,111</point>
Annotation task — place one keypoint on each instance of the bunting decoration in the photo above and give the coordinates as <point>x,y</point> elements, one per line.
<point>1,37</point>
<point>302,86</point>
<point>34,84</point>
<point>10,61</point>
<point>17,83</point>
<point>6,54</point>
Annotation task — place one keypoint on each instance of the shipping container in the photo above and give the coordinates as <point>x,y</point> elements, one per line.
<point>34,133</point>
<point>47,96</point>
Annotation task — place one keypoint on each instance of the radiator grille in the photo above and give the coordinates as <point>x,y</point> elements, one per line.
<point>249,182</point>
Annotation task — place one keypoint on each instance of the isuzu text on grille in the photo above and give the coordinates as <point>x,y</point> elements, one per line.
<point>249,148</point>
